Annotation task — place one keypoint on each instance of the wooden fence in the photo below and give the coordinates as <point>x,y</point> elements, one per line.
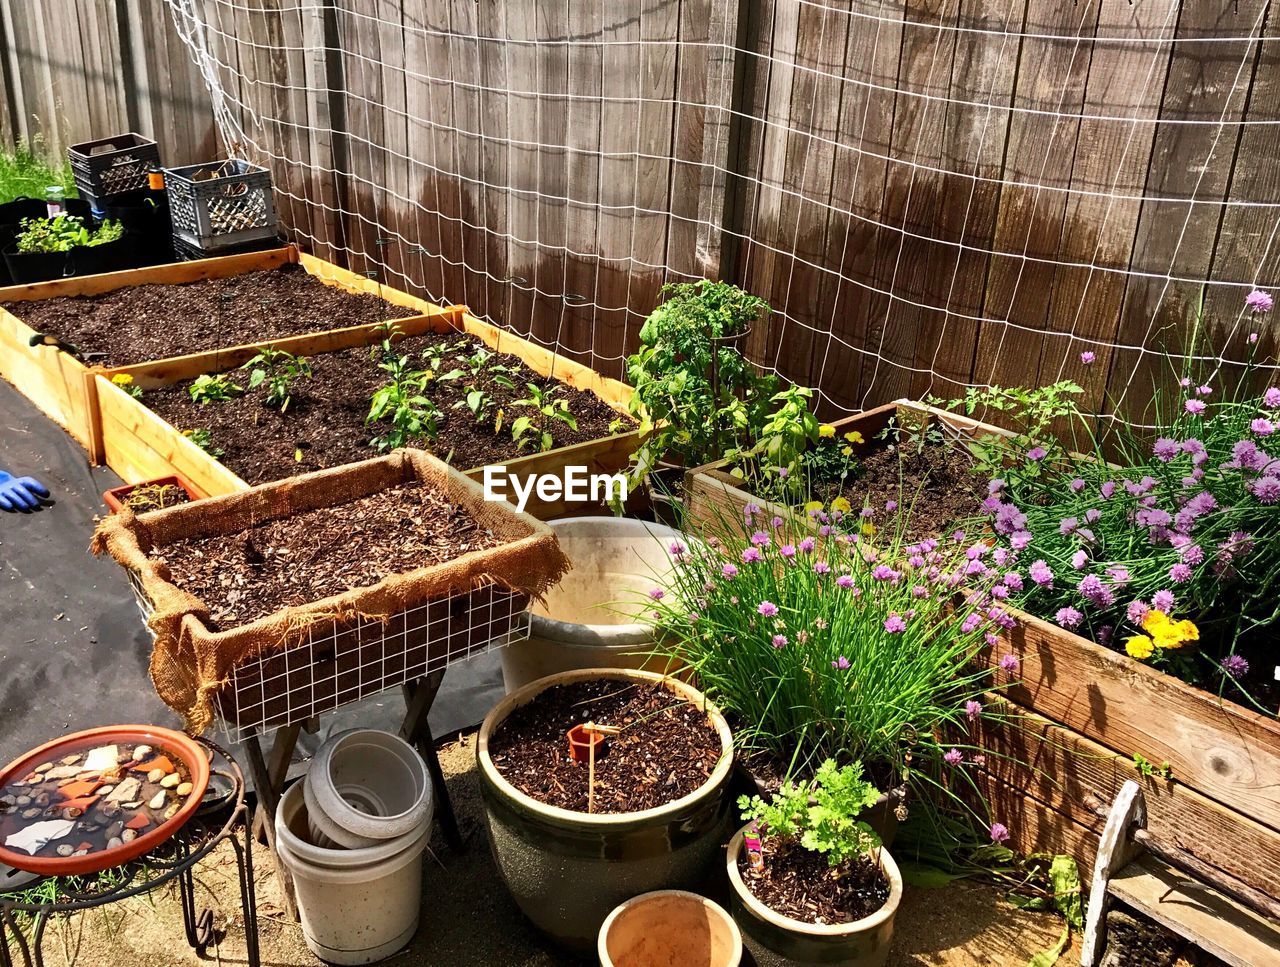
<point>931,193</point>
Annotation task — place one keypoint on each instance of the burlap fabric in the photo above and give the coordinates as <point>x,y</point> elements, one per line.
<point>190,663</point>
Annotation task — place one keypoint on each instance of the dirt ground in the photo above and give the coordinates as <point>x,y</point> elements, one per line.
<point>468,920</point>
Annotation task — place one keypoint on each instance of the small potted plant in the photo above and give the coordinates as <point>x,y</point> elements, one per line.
<point>50,248</point>
<point>811,882</point>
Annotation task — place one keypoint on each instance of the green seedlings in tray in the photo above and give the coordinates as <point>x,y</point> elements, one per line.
<point>204,440</point>
<point>62,233</point>
<point>279,370</point>
<point>534,430</point>
<point>213,389</point>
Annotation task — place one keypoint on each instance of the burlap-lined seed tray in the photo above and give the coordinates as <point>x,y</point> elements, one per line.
<point>191,663</point>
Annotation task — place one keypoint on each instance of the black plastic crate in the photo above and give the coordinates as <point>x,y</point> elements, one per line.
<point>113,166</point>
<point>221,205</point>
<point>186,252</point>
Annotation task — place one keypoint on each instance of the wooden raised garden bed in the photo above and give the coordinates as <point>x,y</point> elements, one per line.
<point>139,444</point>
<point>64,387</point>
<point>1083,712</point>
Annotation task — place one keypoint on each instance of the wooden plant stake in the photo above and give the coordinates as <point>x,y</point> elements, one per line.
<point>592,729</point>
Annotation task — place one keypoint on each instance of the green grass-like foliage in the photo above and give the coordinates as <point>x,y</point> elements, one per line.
<point>835,647</point>
<point>24,174</point>
<point>62,233</point>
<point>821,814</point>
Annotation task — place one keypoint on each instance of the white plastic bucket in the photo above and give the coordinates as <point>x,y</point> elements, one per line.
<point>365,786</point>
<point>357,906</point>
<point>588,618</point>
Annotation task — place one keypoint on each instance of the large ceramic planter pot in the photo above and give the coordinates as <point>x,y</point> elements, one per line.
<point>567,870</point>
<point>778,941</point>
<point>584,621</point>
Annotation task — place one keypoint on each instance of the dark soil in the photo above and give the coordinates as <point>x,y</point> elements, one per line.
<point>934,485</point>
<point>139,323</point>
<point>324,425</point>
<point>798,883</point>
<point>666,750</point>
<point>309,556</point>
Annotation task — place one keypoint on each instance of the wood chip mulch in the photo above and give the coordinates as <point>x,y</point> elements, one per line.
<point>667,749</point>
<point>309,556</point>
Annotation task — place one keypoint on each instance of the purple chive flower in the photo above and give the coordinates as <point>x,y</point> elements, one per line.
<point>779,641</point>
<point>1235,666</point>
<point>1262,427</point>
<point>1019,540</point>
<point>1136,611</point>
<point>1013,581</point>
<point>999,833</point>
<point>657,594</point>
<point>840,663</point>
<point>729,571</point>
<point>972,710</point>
<point>845,581</point>
<point>1087,357</point>
<point>894,624</point>
<point>1179,573</point>
<point>821,567</point>
<point>1184,382</point>
<point>1258,301</point>
<point>750,511</point>
<point>677,548</point>
<point>1166,449</point>
<point>760,539</point>
<point>1068,617</point>
<point>1253,338</point>
<point>1204,390</point>
<point>808,544</point>
<point>1107,489</point>
<point>958,537</point>
<point>767,608</point>
<point>1041,574</point>
<point>890,506</point>
<point>1068,526</point>
<point>1077,485</point>
<point>1266,489</point>
<point>1079,559</point>
<point>750,555</point>
<point>1037,453</point>
<point>1192,554</point>
<point>788,551</point>
<point>953,757</point>
<point>1194,407</point>
<point>995,486</point>
<point>777,521</point>
<point>1009,663</point>
<point>1118,573</point>
<point>883,572</point>
<point>971,623</point>
<point>1271,398</point>
<point>1163,600</point>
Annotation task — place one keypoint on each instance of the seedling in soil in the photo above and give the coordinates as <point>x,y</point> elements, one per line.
<point>535,429</point>
<point>204,440</point>
<point>279,370</point>
<point>477,402</point>
<point>154,497</point>
<point>213,389</point>
<point>434,357</point>
<point>412,414</point>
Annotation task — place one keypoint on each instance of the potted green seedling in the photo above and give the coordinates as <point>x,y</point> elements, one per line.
<point>50,248</point>
<point>811,882</point>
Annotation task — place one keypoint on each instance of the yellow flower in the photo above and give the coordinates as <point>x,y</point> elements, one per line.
<point>853,436</point>
<point>846,451</point>
<point>1139,647</point>
<point>812,505</point>
<point>1167,633</point>
<point>826,430</point>
<point>841,505</point>
<point>122,379</point>
<point>868,528</point>
<point>1154,622</point>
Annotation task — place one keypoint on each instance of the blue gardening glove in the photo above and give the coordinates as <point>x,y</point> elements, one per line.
<point>21,493</point>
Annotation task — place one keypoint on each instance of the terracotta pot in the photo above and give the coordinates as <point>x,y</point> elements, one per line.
<point>175,744</point>
<point>669,927</point>
<point>116,496</point>
<point>567,870</point>
<point>778,941</point>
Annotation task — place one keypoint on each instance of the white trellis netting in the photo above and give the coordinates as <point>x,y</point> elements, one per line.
<point>931,195</point>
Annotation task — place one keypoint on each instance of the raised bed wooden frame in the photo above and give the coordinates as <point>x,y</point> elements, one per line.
<point>1083,712</point>
<point>66,390</point>
<point>138,444</point>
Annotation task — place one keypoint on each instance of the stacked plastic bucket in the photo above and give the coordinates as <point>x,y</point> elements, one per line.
<point>351,835</point>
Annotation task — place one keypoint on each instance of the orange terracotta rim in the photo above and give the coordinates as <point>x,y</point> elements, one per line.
<point>115,497</point>
<point>177,744</point>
